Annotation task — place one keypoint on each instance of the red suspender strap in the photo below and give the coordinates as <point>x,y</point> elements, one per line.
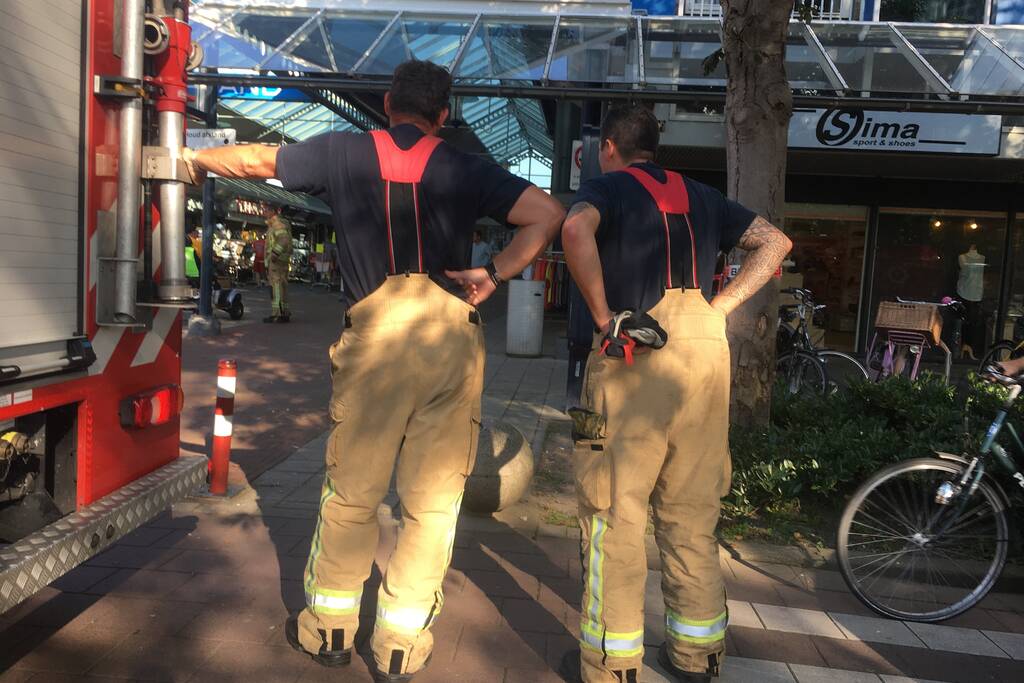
<point>399,165</point>
<point>402,170</point>
<point>671,197</point>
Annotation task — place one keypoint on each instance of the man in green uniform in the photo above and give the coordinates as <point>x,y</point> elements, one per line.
<point>278,256</point>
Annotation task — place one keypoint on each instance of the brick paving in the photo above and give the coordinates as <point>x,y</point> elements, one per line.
<point>200,594</point>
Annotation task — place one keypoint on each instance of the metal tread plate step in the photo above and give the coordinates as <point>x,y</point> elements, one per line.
<point>42,557</point>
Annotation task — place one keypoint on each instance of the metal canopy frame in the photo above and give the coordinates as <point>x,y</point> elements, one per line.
<point>839,83</point>
<point>336,88</point>
<point>927,71</point>
<point>219,20</point>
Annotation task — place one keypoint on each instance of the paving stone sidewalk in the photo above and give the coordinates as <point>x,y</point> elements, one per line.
<point>201,593</point>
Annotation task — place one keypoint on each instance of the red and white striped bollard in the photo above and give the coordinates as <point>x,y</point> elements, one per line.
<point>223,418</point>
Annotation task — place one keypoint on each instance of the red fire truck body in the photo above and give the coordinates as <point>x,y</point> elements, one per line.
<point>89,389</point>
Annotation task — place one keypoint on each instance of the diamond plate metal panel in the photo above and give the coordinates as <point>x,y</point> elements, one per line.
<point>33,562</point>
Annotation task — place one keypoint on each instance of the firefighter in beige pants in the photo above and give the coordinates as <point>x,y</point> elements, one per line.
<point>652,428</point>
<point>408,374</point>
<point>408,369</point>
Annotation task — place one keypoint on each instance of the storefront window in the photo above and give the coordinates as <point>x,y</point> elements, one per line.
<point>828,259</point>
<point>929,255</point>
<point>1013,328</point>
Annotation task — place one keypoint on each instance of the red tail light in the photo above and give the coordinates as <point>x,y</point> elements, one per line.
<point>156,407</point>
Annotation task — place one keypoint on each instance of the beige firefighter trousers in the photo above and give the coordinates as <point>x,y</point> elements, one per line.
<point>277,277</point>
<point>664,442</point>
<point>407,376</point>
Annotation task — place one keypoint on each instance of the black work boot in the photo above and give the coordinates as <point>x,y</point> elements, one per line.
<point>680,675</point>
<point>284,318</point>
<point>271,319</point>
<point>329,658</point>
<point>396,665</point>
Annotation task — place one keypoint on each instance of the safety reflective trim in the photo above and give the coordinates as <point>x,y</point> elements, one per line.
<point>694,631</point>
<point>226,387</point>
<point>314,551</point>
<point>450,537</point>
<point>594,637</point>
<point>325,601</point>
<point>222,424</point>
<point>595,568</point>
<point>403,620</point>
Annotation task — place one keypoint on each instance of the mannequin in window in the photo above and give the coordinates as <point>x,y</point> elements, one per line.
<point>970,288</point>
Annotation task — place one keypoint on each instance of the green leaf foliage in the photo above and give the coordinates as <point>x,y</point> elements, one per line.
<point>818,449</point>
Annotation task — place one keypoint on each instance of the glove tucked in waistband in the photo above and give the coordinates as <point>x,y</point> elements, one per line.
<point>629,329</point>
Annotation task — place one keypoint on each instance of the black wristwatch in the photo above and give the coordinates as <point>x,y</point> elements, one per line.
<point>492,272</point>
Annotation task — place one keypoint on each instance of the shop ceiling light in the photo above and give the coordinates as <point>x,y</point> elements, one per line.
<point>973,225</point>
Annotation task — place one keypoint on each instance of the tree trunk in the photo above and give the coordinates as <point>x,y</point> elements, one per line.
<point>758,106</point>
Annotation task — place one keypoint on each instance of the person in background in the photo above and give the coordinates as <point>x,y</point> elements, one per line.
<point>191,263</point>
<point>482,250</point>
<point>278,260</point>
<point>259,257</point>
<point>196,239</point>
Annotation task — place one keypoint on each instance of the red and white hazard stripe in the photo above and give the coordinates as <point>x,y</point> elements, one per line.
<point>223,419</point>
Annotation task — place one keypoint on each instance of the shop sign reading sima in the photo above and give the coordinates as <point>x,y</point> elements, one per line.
<point>895,131</point>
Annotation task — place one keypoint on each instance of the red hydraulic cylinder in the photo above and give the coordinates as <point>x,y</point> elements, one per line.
<point>172,91</point>
<point>223,419</point>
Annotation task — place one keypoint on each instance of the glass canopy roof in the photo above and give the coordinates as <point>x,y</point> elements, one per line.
<point>846,59</point>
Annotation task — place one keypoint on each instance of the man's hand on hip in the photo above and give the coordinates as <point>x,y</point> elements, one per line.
<point>476,282</point>
<point>725,303</point>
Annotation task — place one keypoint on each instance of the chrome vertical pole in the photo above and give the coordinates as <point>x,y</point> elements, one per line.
<point>129,173</point>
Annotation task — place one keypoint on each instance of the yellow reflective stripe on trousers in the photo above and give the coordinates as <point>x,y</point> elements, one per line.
<point>411,621</point>
<point>592,633</point>
<point>403,620</point>
<point>595,568</point>
<point>696,631</point>
<point>594,637</point>
<point>314,551</point>
<point>325,601</point>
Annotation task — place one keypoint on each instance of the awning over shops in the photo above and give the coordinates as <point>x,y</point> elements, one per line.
<point>229,188</point>
<point>916,61</point>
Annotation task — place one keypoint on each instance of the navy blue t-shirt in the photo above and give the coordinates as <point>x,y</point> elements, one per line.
<point>456,190</point>
<point>631,237</point>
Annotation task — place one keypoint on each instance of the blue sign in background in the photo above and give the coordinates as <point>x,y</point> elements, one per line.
<point>660,8</point>
<point>257,93</point>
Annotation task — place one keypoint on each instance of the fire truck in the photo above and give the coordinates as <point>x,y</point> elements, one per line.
<point>92,278</point>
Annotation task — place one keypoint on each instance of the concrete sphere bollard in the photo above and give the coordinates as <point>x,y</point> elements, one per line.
<point>504,467</point>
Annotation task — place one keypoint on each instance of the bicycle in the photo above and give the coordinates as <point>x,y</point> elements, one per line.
<point>926,539</point>
<point>800,364</point>
<point>1005,349</point>
<point>897,347</point>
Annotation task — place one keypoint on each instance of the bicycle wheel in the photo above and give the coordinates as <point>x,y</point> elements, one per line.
<point>895,556</point>
<point>801,372</point>
<point>1004,350</point>
<point>841,369</point>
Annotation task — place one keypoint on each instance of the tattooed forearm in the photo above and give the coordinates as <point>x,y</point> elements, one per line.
<point>767,247</point>
<point>578,208</point>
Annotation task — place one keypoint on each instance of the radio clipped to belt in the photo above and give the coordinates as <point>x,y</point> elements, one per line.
<point>630,329</point>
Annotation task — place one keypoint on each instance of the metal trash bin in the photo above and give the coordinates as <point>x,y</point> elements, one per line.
<point>525,326</point>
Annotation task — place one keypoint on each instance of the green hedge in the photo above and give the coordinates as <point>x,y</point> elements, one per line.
<point>818,449</point>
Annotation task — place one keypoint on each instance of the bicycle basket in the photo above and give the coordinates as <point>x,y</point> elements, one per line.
<point>924,318</point>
